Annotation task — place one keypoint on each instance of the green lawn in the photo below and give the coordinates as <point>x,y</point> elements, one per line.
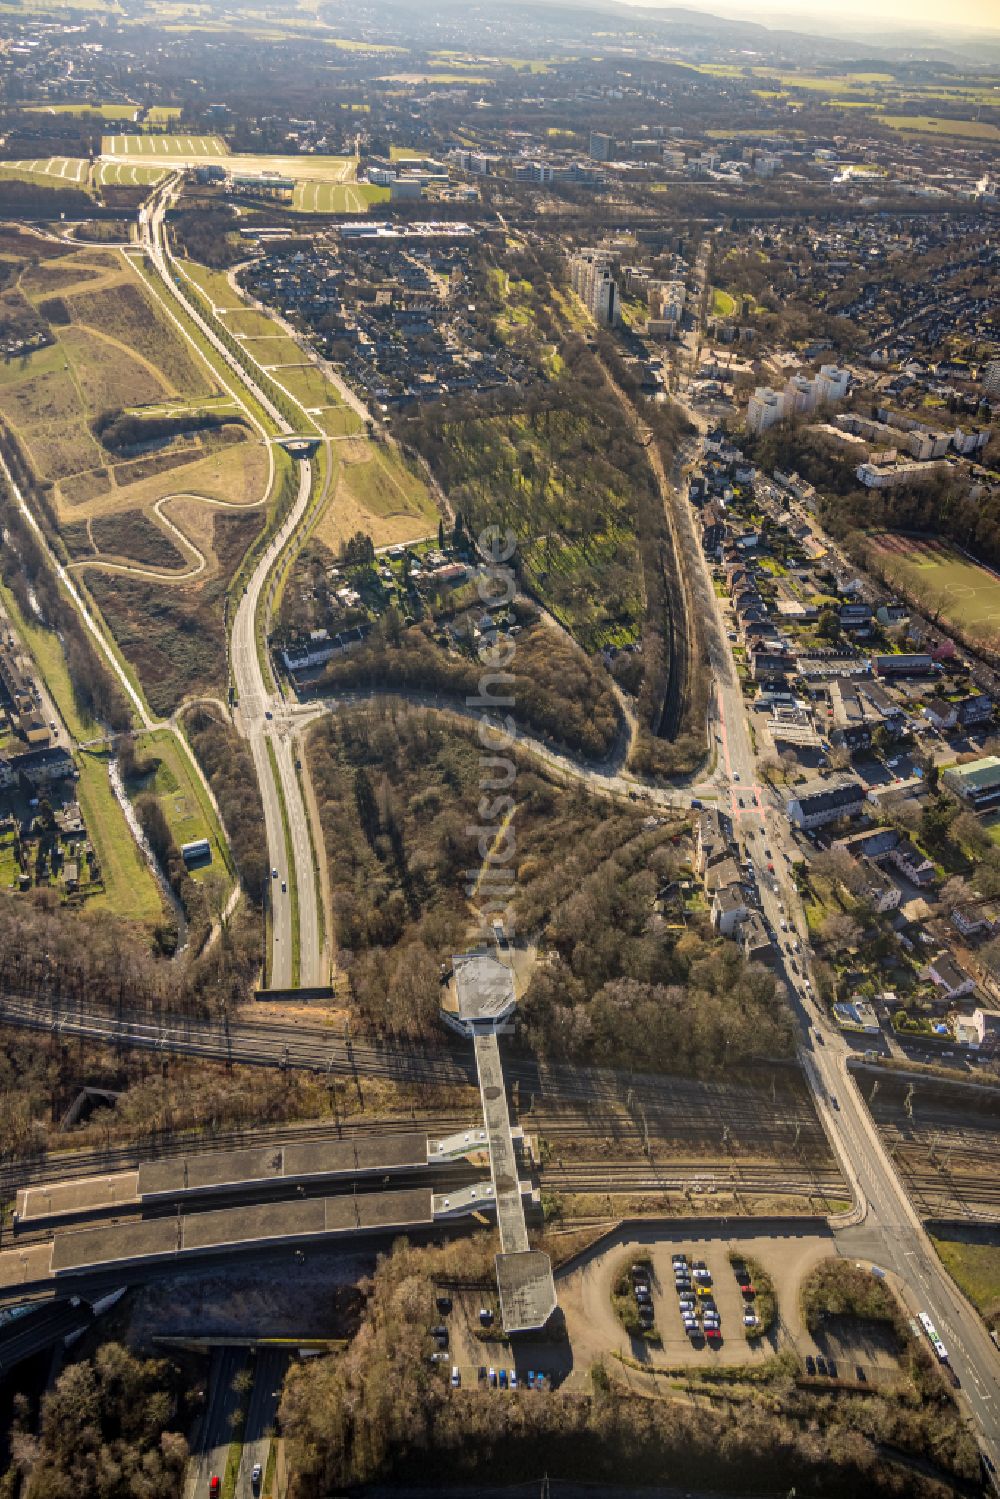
<point>130,890</point>
<point>976,1270</point>
<point>46,648</point>
<point>188,811</point>
<point>723,305</point>
<point>940,577</point>
<point>980,130</point>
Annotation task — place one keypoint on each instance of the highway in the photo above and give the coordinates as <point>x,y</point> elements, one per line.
<point>887,1229</point>
<point>260,712</point>
<point>209,1457</point>
<point>269,1374</point>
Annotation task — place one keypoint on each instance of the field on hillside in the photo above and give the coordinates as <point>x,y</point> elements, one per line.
<point>189,813</point>
<point>48,171</point>
<point>157,529</point>
<point>940,579</point>
<point>979,130</point>
<point>176,146</point>
<point>337,197</point>
<point>378,493</point>
<point>121,174</point>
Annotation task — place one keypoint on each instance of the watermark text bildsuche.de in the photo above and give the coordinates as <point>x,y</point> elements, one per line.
<point>492,883</point>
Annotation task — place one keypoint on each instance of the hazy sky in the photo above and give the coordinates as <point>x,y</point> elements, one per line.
<point>980,15</point>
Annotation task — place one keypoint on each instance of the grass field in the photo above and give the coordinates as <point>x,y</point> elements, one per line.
<point>46,648</point>
<point>130,892</point>
<point>120,174</point>
<point>337,197</point>
<point>164,145</point>
<point>188,811</point>
<point>978,130</point>
<point>723,305</point>
<point>976,1270</point>
<point>942,579</point>
<point>213,283</point>
<point>50,171</point>
<point>377,493</point>
<point>306,384</point>
<point>120,112</point>
<point>338,421</point>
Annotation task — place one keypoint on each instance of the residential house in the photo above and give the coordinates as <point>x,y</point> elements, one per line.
<point>910,862</point>
<point>975,710</point>
<point>756,941</point>
<point>870,843</point>
<point>881,892</point>
<point>980,1030</point>
<point>729,908</point>
<point>971,920</point>
<point>950,980</point>
<point>713,841</point>
<point>941,714</point>
<point>819,801</point>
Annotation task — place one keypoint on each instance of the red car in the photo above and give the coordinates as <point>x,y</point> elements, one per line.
<point>213,1484</point>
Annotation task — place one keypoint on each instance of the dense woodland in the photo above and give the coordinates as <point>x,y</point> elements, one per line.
<point>111,1428</point>
<point>558,694</point>
<point>399,800</point>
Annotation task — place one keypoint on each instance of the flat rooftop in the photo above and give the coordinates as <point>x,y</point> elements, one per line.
<point>527,1290</point>
<point>225,1171</point>
<point>85,1194</point>
<point>503,1165</point>
<point>484,987</point>
<point>261,1226</point>
<point>218,1169</point>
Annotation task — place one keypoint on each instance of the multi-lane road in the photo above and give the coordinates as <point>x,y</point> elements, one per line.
<point>297,956</point>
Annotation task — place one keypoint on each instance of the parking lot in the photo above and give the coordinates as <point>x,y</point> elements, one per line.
<point>595,1329</point>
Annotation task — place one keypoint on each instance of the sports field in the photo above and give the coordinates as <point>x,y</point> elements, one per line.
<point>941,580</point>
<point>120,174</point>
<point>164,145</point>
<point>51,171</point>
<point>337,197</point>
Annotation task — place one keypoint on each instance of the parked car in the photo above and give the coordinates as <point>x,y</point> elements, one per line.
<point>810,1364</point>
<point>502,1379</point>
<point>492,1376</point>
<point>529,1379</point>
<point>456,1378</point>
<point>513,1379</point>
<point>820,1364</point>
<point>831,1368</point>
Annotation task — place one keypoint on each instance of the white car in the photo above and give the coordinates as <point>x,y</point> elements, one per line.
<point>456,1378</point>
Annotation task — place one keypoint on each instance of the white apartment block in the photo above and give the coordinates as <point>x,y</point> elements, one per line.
<point>801,394</point>
<point>591,278</point>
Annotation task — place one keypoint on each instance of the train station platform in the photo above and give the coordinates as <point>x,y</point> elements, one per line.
<point>224,1172</point>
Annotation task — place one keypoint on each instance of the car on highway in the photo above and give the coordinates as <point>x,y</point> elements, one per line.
<point>833,1100</point>
<point>274,874</point>
<point>214,1486</point>
<point>255,1477</point>
<point>284,887</point>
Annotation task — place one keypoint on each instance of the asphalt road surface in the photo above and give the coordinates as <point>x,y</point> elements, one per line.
<point>260,709</point>
<point>272,1364</point>
<point>209,1457</point>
